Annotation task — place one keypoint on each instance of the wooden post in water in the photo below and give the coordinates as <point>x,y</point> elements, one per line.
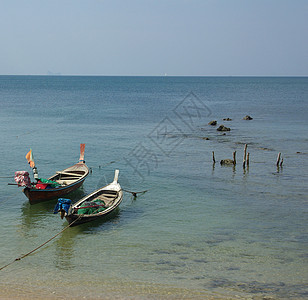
<point>247,160</point>
<point>244,158</point>
<point>278,159</point>
<point>213,157</point>
<point>281,162</point>
<point>234,159</point>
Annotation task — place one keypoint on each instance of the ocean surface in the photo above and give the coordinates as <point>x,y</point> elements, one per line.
<point>201,230</point>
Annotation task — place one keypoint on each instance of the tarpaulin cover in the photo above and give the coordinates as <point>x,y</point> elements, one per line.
<point>93,207</point>
<point>50,182</point>
<point>41,186</point>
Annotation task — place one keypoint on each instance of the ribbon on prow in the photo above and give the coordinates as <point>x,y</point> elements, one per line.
<point>82,148</point>
<point>30,159</point>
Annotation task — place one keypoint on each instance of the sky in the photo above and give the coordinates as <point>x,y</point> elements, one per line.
<point>154,37</point>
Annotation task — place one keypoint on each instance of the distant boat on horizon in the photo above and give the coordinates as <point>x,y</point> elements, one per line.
<point>53,74</point>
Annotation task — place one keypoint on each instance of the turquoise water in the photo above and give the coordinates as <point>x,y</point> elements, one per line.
<point>201,230</point>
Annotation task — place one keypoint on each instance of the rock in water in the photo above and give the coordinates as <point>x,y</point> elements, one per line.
<point>213,123</point>
<point>227,162</point>
<point>223,128</point>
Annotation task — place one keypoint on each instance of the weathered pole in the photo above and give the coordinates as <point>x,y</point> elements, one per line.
<point>278,159</point>
<point>244,158</point>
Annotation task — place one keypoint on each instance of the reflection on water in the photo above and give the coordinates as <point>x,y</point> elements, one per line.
<point>40,216</point>
<point>33,216</point>
<point>65,249</point>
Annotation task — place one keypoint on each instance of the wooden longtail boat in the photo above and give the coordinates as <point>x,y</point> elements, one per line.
<point>67,180</point>
<point>96,205</point>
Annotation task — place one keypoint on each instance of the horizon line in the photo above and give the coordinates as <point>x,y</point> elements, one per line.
<point>100,75</point>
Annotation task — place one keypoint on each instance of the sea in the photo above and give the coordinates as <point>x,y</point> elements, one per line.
<point>197,229</point>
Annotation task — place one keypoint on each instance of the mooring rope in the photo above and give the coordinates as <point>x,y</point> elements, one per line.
<point>23,256</point>
<point>9,198</point>
<point>69,225</point>
<point>135,193</point>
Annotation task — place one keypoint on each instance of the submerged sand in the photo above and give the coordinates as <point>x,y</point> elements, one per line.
<point>140,291</point>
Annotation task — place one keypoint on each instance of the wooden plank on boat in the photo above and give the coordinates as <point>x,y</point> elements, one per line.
<point>68,173</point>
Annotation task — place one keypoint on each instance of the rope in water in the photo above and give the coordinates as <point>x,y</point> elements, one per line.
<point>135,193</point>
<point>69,225</point>
<point>23,256</point>
<point>9,198</point>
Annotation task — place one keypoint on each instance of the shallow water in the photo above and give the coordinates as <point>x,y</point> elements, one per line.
<point>201,230</point>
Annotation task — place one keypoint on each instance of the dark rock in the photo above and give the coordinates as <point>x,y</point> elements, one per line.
<point>227,119</point>
<point>205,138</point>
<point>223,128</point>
<point>213,123</point>
<point>227,162</point>
<point>247,118</point>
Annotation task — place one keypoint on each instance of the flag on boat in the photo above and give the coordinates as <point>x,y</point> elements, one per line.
<point>30,159</point>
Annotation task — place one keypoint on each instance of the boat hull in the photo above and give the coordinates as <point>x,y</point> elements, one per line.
<point>68,180</point>
<point>37,195</point>
<point>71,219</point>
<point>111,195</point>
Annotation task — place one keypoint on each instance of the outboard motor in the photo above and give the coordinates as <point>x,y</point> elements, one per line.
<point>63,207</point>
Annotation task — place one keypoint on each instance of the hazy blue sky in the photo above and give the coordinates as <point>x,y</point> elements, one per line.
<point>154,37</point>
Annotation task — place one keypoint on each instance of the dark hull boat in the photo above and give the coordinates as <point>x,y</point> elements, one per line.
<point>60,184</point>
<point>96,205</point>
